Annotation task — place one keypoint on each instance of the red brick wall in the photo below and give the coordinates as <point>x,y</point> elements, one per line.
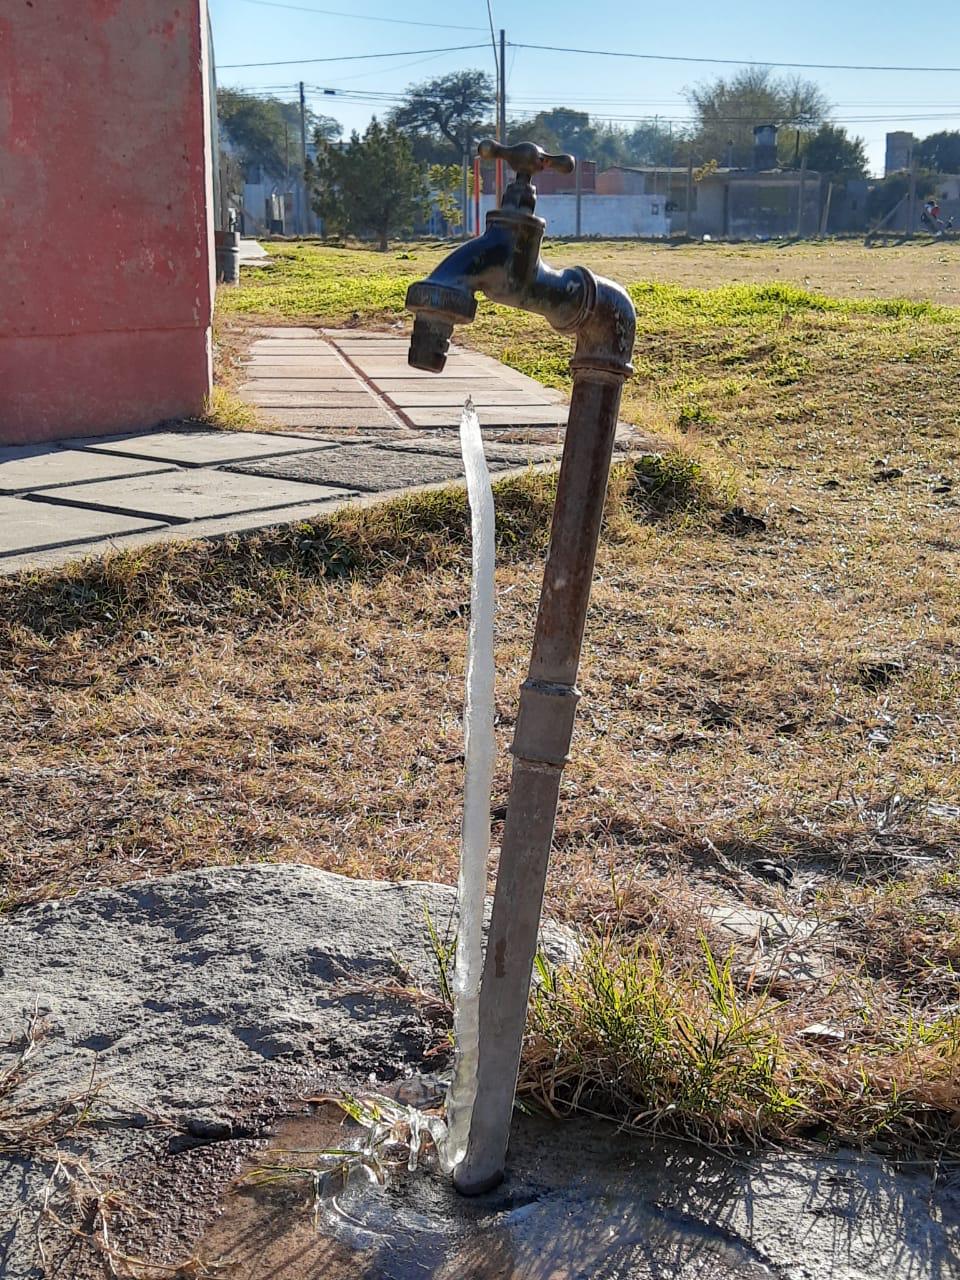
<point>107,290</point>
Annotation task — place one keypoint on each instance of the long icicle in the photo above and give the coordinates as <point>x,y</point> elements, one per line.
<point>479,751</point>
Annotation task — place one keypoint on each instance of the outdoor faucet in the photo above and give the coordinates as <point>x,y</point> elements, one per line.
<point>505,264</point>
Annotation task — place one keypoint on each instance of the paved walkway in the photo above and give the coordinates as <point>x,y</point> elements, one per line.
<point>349,380</point>
<point>345,419</point>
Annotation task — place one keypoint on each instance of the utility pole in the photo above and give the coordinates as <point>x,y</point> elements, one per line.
<point>912,198</point>
<point>302,186</point>
<point>501,109</point>
<point>689,191</point>
<point>800,195</point>
<point>579,175</point>
<point>464,187</point>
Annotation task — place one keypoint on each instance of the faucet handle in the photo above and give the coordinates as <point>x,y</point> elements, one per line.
<point>525,158</point>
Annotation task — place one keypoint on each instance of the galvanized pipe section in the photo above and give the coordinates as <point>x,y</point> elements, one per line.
<point>505,264</point>
<point>548,704</point>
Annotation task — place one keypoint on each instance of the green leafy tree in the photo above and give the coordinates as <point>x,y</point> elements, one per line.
<point>265,131</point>
<point>651,144</point>
<point>940,152</point>
<point>832,151</point>
<point>727,109</point>
<point>446,184</point>
<point>445,116</point>
<point>370,186</point>
<point>564,129</point>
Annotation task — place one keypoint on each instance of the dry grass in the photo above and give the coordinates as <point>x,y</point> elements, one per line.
<point>769,716</point>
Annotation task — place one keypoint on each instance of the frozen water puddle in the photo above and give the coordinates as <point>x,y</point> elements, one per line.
<point>580,1202</point>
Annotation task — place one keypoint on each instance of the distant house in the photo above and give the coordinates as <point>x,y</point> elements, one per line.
<point>740,204</point>
<point>763,202</point>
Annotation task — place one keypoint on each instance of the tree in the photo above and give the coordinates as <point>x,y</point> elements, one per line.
<point>265,131</point>
<point>370,185</point>
<point>940,152</point>
<point>727,109</point>
<point>446,185</point>
<point>832,151</point>
<point>448,111</point>
<point>651,144</point>
<point>564,129</point>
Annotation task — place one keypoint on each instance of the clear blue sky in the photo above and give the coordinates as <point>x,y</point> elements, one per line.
<point>868,103</point>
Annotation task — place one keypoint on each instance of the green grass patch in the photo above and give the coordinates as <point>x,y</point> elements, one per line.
<point>686,1051</point>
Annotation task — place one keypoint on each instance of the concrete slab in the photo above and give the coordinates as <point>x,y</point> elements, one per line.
<point>331,385</point>
<point>289,331</point>
<point>516,455</point>
<point>375,368</point>
<point>285,354</point>
<point>297,346</point>
<point>522,416</point>
<point>202,448</point>
<point>463,386</point>
<point>40,468</point>
<point>441,399</point>
<point>290,335</point>
<point>301,398</point>
<point>370,468</point>
<point>337,419</point>
<point>281,367</point>
<point>27,526</point>
<point>391,371</point>
<point>251,250</point>
<point>178,497</point>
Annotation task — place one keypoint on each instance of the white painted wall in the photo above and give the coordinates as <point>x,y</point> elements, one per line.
<point>638,215</point>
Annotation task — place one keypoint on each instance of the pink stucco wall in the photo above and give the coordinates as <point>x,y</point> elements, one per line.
<point>106,242</point>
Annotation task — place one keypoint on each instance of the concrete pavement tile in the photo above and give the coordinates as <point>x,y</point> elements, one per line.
<point>441,398</point>
<point>357,398</point>
<point>405,373</point>
<point>42,468</point>
<point>522,416</point>
<point>366,467</point>
<point>332,385</point>
<point>182,496</point>
<point>516,455</point>
<point>357,337</point>
<point>376,369</point>
<point>322,361</point>
<point>31,526</point>
<point>443,383</point>
<point>280,368</point>
<point>339,419</point>
<point>289,331</point>
<point>304,347</point>
<point>202,448</point>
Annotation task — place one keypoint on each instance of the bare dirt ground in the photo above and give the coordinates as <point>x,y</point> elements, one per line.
<point>923,269</point>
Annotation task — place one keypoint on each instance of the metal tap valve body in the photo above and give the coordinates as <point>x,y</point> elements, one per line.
<point>505,264</point>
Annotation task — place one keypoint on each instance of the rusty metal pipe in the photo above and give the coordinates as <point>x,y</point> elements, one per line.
<point>505,264</point>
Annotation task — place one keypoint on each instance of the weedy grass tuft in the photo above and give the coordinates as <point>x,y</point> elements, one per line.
<point>685,1050</point>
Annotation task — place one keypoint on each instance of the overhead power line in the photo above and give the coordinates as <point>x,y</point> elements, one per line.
<point>351,57</point>
<point>728,62</point>
<point>360,17</point>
